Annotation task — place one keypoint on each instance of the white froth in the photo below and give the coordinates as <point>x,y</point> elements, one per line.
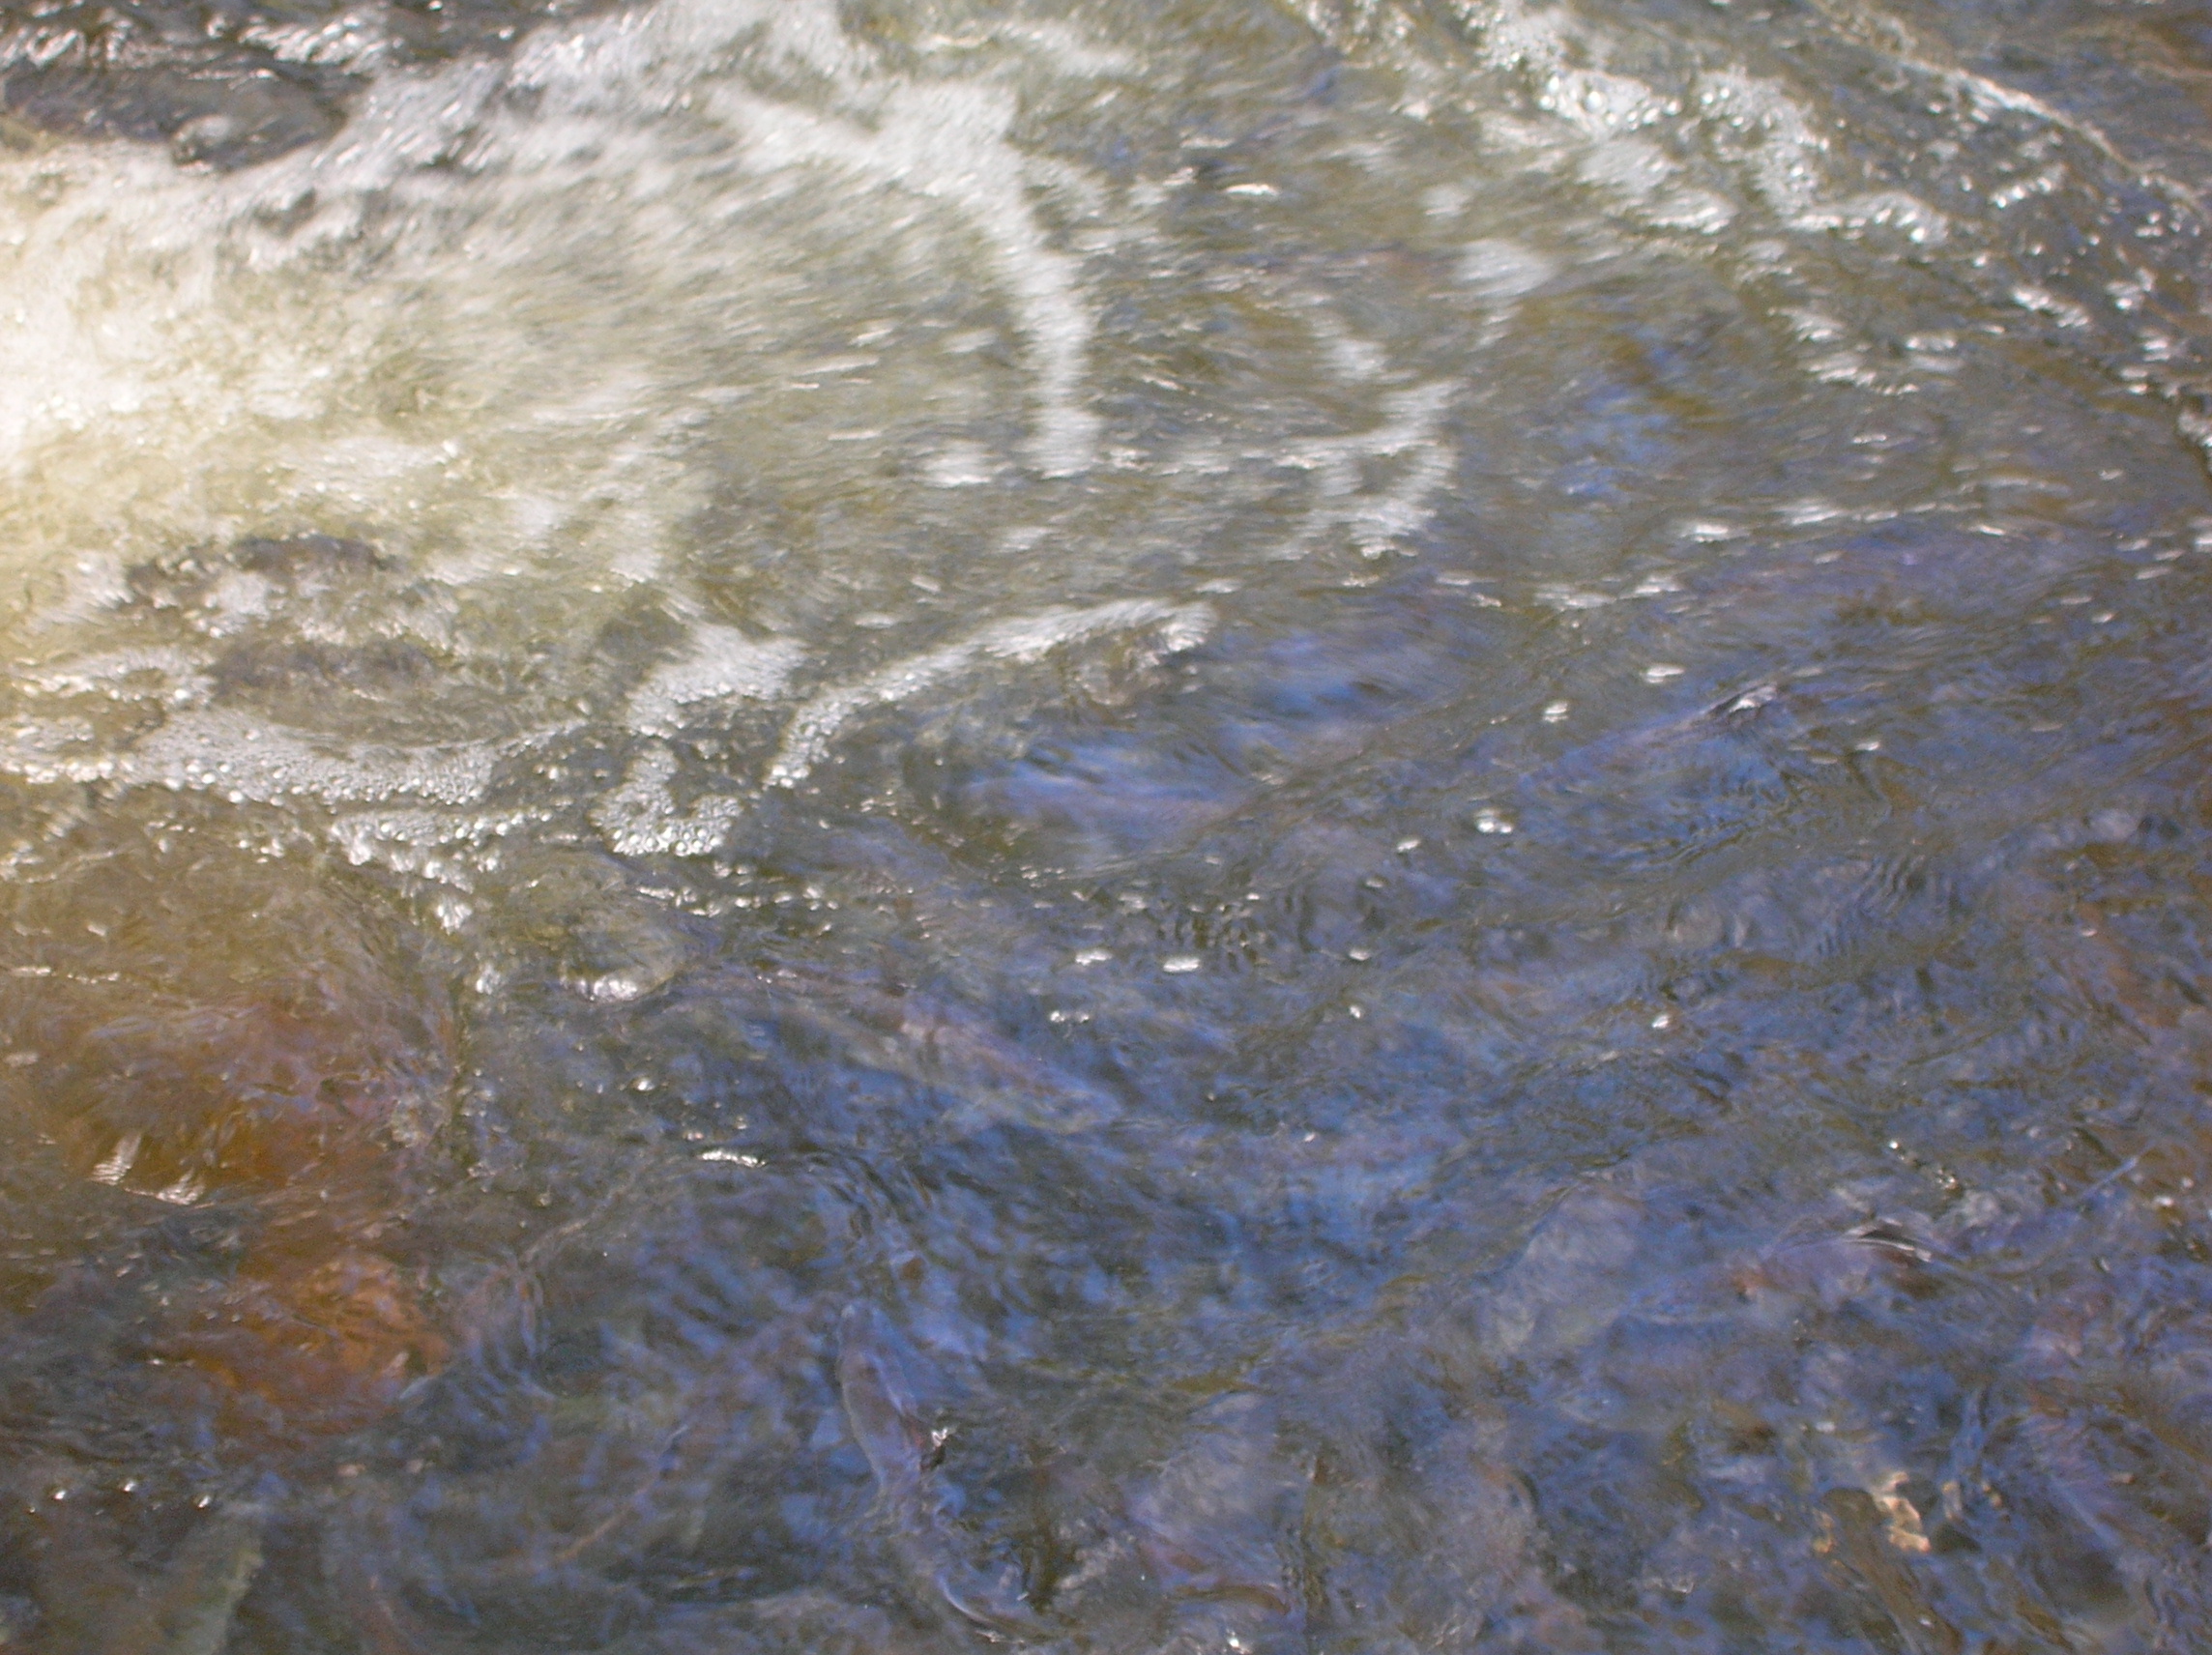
<point>114,674</point>
<point>1498,268</point>
<point>505,318</point>
<point>241,758</point>
<point>448,846</point>
<point>1027,638</point>
<point>1411,432</point>
<point>641,816</point>
<point>722,665</point>
<point>948,141</point>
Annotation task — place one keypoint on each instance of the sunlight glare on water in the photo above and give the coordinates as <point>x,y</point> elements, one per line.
<point>1280,825</point>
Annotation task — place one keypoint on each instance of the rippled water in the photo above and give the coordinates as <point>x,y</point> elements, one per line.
<point>1121,826</point>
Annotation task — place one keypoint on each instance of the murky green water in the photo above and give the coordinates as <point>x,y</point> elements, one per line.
<point>1117,827</point>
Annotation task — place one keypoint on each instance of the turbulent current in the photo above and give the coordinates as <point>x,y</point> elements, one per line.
<point>1374,826</point>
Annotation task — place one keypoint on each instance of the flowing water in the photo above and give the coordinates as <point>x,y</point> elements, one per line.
<point>1361,826</point>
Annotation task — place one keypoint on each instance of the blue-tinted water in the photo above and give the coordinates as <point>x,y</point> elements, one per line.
<point>1122,827</point>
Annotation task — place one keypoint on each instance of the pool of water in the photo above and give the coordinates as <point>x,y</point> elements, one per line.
<point>1359,826</point>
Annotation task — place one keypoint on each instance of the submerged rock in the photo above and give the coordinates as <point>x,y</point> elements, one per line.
<point>226,1042</point>
<point>92,1601</point>
<point>904,1452</point>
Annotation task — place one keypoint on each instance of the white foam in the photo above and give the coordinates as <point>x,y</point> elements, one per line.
<point>178,676</point>
<point>449,847</point>
<point>1895,39</point>
<point>242,758</point>
<point>722,665</point>
<point>949,142</point>
<point>505,318</point>
<point>1606,126</point>
<point>640,817</point>
<point>1502,270</point>
<point>815,725</point>
<point>1376,518</point>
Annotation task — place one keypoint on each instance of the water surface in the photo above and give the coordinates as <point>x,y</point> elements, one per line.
<point>1117,826</point>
